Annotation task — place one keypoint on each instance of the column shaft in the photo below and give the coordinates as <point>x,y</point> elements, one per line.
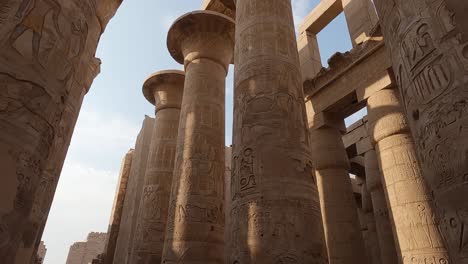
<point>204,41</point>
<point>275,211</point>
<point>116,216</point>
<point>47,65</point>
<point>195,231</point>
<point>343,234</point>
<point>408,198</point>
<point>428,41</point>
<point>164,89</point>
<point>382,220</point>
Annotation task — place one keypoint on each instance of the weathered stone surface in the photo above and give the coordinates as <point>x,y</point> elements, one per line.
<point>116,215</point>
<point>85,252</point>
<point>204,42</point>
<point>134,192</point>
<point>428,41</point>
<point>382,219</point>
<point>275,211</point>
<point>164,89</point>
<point>361,19</point>
<point>409,200</point>
<point>47,65</point>
<point>339,211</point>
<point>41,253</point>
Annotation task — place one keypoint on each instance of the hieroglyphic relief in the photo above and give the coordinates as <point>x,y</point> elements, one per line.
<point>45,46</point>
<point>431,44</point>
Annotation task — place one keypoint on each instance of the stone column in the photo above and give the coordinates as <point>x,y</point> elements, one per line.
<point>204,42</point>
<point>382,220</point>
<point>116,216</point>
<point>164,89</point>
<point>275,211</point>
<point>409,200</point>
<point>47,65</point>
<point>371,239</point>
<point>134,192</point>
<point>428,41</point>
<point>343,235</point>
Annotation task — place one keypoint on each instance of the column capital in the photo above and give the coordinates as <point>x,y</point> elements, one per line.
<point>164,89</point>
<point>202,35</point>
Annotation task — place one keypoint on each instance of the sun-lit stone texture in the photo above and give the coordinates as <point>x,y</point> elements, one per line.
<point>134,192</point>
<point>428,41</point>
<point>47,64</point>
<point>361,19</point>
<point>117,208</point>
<point>275,210</point>
<point>204,42</point>
<point>379,204</point>
<point>338,206</point>
<point>164,89</point>
<point>409,200</point>
<point>371,238</point>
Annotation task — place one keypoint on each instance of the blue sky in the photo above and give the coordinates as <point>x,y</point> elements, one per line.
<point>133,47</point>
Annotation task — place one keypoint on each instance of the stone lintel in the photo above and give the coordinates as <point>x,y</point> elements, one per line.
<point>321,16</point>
<point>351,79</point>
<point>218,6</point>
<point>357,137</point>
<point>327,119</point>
<point>158,89</point>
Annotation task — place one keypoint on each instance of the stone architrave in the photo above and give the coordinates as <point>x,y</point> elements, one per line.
<point>204,42</point>
<point>134,191</point>
<point>382,220</point>
<point>47,65</point>
<point>164,89</point>
<point>409,199</point>
<point>275,209</point>
<point>116,216</point>
<point>428,41</point>
<point>343,234</point>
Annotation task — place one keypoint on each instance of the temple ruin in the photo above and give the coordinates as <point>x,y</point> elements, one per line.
<point>297,185</point>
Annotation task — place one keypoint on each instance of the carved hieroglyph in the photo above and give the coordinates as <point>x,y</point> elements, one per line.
<point>382,220</point>
<point>116,216</point>
<point>47,64</point>
<point>428,41</point>
<point>275,210</point>
<point>164,89</point>
<point>343,235</point>
<point>204,42</point>
<point>408,197</point>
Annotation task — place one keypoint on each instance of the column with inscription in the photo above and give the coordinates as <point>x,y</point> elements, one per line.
<point>275,210</point>
<point>343,235</point>
<point>204,42</point>
<point>382,220</point>
<point>164,89</point>
<point>428,41</point>
<point>409,200</point>
<point>47,65</point>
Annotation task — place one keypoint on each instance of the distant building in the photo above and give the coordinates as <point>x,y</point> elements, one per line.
<point>85,252</point>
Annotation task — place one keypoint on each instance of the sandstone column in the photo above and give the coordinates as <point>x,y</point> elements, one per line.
<point>204,42</point>
<point>134,192</point>
<point>275,211</point>
<point>408,198</point>
<point>343,235</point>
<point>47,65</point>
<point>116,216</point>
<point>371,240</point>
<point>164,89</point>
<point>428,41</point>
<point>382,220</point>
